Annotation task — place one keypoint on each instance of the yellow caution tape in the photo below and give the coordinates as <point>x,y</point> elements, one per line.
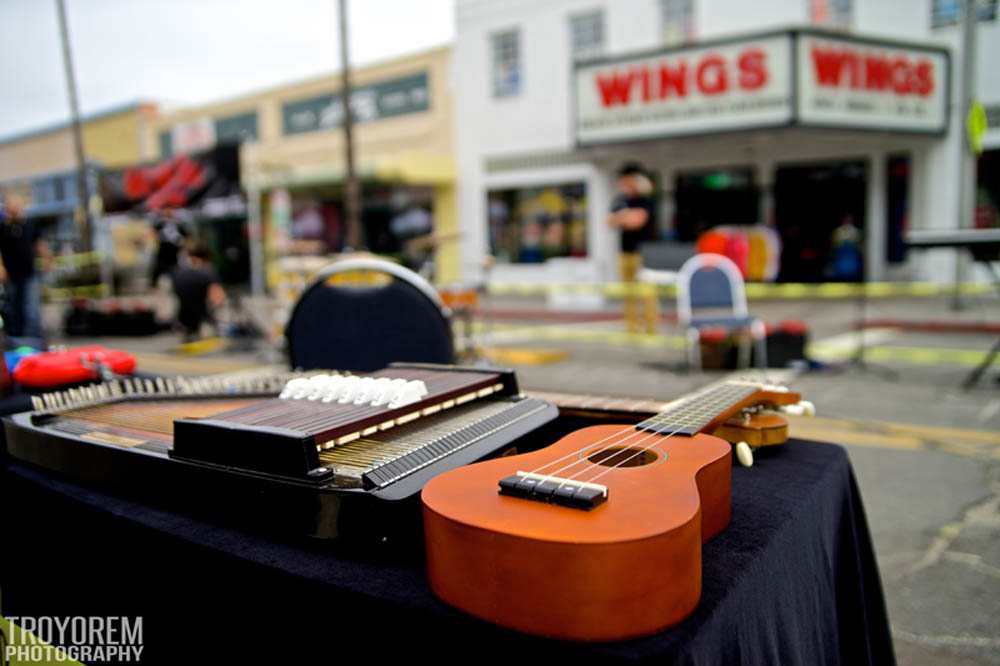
<point>55,294</point>
<point>789,290</point>
<point>75,260</point>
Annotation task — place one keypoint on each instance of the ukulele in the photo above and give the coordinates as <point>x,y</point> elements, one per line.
<point>598,536</point>
<point>750,429</point>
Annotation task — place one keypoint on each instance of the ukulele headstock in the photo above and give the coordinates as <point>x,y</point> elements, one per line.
<point>760,420</point>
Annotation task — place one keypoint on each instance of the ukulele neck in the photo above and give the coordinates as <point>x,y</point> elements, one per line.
<point>702,410</point>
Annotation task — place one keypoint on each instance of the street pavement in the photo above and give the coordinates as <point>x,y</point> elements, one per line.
<point>926,453</point>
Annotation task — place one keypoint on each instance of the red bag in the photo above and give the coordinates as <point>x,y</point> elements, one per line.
<point>71,366</point>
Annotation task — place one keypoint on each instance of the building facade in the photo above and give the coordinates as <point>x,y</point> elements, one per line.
<point>801,115</point>
<point>39,166</point>
<point>292,156</point>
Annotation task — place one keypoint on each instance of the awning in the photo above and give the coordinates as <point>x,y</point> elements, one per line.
<point>204,185</point>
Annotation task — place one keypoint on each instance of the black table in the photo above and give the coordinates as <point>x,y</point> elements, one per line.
<point>793,580</point>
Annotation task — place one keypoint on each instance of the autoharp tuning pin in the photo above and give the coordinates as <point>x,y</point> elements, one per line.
<point>412,392</point>
<point>371,390</point>
<point>292,387</point>
<point>316,386</point>
<point>388,392</point>
<point>348,390</point>
<point>159,385</point>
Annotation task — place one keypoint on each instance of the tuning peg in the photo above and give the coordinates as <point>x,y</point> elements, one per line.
<point>744,454</point>
<point>801,408</point>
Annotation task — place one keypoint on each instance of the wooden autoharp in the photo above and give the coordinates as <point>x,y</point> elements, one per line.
<point>343,448</point>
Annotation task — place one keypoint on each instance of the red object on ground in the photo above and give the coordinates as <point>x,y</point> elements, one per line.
<point>713,335</point>
<point>71,366</point>
<point>793,327</point>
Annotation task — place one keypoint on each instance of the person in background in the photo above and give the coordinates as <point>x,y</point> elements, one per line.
<point>846,260</point>
<point>198,291</point>
<point>20,245</point>
<point>633,213</point>
<point>170,235</point>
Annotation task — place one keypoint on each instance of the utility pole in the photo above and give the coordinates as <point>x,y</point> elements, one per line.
<point>82,191</point>
<point>967,158</point>
<point>352,203</point>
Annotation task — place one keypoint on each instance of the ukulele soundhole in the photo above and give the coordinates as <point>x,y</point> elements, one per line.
<point>623,457</point>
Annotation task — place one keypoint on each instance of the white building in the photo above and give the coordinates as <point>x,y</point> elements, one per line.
<point>791,113</point>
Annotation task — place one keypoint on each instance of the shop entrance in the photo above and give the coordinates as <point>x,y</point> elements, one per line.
<point>819,212</point>
<point>705,199</point>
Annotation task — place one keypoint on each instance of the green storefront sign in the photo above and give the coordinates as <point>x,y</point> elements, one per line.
<point>384,99</point>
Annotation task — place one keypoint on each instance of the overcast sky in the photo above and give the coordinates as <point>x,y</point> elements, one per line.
<point>190,51</point>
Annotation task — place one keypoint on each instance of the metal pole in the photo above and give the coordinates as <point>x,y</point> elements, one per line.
<point>255,231</point>
<point>967,159</point>
<point>82,190</point>
<point>352,205</point>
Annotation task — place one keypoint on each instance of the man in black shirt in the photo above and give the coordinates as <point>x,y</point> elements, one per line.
<point>633,212</point>
<point>19,245</point>
<point>170,235</point>
<point>198,291</point>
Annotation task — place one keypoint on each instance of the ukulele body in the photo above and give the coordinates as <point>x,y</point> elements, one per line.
<point>628,567</point>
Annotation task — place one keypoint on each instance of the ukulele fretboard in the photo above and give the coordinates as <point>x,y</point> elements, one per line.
<point>695,413</point>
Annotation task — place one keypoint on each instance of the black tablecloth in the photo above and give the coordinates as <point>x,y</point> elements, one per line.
<point>793,580</point>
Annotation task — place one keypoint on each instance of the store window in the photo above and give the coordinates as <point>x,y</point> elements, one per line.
<point>677,21</point>
<point>586,35</point>
<point>831,13</point>
<point>987,212</point>
<point>704,199</point>
<point>949,12</point>
<point>506,47</point>
<point>530,225</point>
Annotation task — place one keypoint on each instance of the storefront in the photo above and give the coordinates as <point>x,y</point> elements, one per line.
<point>293,168</point>
<point>809,133</point>
<point>822,137</point>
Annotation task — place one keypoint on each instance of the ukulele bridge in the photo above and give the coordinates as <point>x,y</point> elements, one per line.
<point>554,490</point>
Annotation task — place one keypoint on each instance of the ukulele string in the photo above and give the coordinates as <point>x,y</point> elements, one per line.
<point>633,444</point>
<point>576,452</point>
<point>633,428</point>
<point>549,476</point>
<point>631,457</point>
<point>652,435</point>
<point>606,447</point>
